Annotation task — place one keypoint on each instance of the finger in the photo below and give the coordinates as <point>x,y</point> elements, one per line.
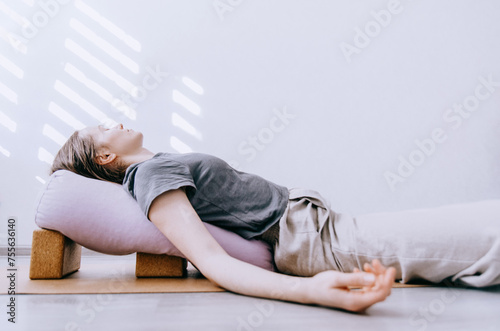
<point>369,269</point>
<point>354,279</point>
<point>367,287</point>
<point>384,285</point>
<point>385,280</point>
<point>388,274</point>
<point>361,300</point>
<point>378,266</point>
<point>356,270</point>
<point>378,292</point>
<point>379,271</point>
<point>391,275</point>
<point>392,272</point>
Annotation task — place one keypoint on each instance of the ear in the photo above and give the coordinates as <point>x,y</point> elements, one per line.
<point>105,158</point>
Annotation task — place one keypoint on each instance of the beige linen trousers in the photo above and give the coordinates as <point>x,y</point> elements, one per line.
<point>457,243</point>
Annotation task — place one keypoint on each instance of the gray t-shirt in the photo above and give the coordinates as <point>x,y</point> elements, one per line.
<point>240,202</point>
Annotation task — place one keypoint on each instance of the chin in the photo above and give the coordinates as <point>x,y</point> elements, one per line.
<point>140,136</point>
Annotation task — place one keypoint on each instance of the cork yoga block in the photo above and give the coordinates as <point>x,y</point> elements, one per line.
<point>154,265</point>
<point>53,255</point>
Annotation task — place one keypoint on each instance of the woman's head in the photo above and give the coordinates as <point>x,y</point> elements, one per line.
<point>99,152</point>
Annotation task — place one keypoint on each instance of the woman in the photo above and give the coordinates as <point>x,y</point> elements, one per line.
<point>178,191</point>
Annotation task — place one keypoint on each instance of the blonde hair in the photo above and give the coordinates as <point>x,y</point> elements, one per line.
<point>79,155</point>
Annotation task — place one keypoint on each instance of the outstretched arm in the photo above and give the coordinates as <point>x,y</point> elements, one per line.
<point>174,216</point>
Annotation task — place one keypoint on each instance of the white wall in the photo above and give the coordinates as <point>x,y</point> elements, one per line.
<point>353,115</point>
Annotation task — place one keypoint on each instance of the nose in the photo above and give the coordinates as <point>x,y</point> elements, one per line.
<point>118,126</point>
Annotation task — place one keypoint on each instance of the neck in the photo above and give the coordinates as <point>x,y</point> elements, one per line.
<point>140,156</point>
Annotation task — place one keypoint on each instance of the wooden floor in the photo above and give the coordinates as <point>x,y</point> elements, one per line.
<point>428,308</point>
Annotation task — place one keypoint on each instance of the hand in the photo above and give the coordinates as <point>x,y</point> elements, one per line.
<point>335,289</point>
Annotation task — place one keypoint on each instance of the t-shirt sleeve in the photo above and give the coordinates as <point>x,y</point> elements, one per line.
<point>158,176</point>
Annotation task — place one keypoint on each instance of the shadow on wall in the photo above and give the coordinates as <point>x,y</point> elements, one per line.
<point>102,81</point>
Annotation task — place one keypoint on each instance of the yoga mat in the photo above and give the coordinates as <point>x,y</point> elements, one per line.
<point>107,278</point>
<point>113,278</point>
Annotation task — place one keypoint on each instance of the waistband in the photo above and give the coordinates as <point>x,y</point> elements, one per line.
<point>271,236</point>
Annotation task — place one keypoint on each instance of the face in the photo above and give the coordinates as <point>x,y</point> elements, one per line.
<point>116,140</point>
